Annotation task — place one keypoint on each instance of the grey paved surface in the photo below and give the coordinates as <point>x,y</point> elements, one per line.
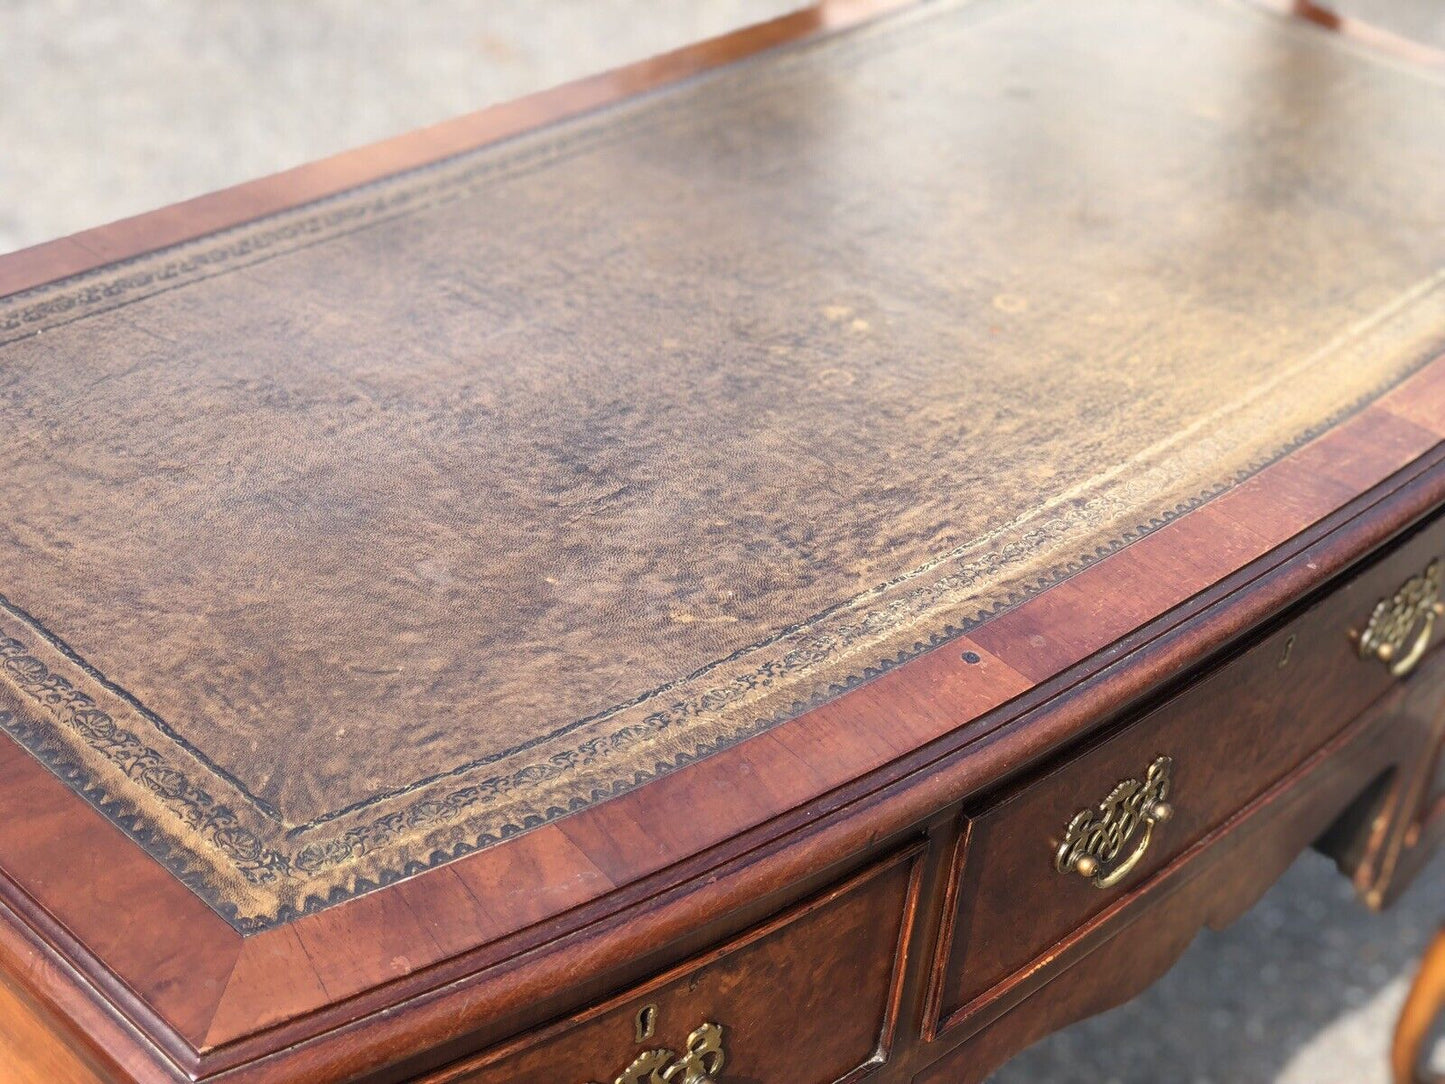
<point>109,109</point>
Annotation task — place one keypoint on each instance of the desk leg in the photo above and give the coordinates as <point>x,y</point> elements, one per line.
<point>1423,1005</point>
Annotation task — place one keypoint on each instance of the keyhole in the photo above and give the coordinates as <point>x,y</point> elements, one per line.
<point>1288,650</point>
<point>646,1022</point>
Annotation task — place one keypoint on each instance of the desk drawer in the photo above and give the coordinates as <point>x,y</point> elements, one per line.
<point>1129,803</point>
<point>810,997</point>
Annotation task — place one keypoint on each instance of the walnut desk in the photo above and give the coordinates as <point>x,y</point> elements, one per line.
<point>829,554</point>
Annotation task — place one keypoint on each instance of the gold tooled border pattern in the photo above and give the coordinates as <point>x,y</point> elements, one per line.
<point>258,872</point>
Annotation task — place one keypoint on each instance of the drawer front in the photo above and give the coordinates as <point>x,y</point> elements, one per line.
<point>1034,865</point>
<point>810,998</point>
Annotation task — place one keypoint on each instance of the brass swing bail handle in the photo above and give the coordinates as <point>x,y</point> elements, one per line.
<point>1400,627</point>
<point>1103,845</point>
<point>1092,869</point>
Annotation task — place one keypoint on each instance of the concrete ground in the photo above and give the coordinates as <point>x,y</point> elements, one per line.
<point>112,108</point>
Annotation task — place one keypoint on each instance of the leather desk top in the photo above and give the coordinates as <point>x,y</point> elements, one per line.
<point>351,540</point>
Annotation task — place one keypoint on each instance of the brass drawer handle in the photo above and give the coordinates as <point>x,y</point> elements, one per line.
<point>1096,838</point>
<point>701,1061</point>
<point>1400,627</point>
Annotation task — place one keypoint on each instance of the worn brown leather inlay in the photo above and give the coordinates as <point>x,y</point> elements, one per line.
<point>359,537</point>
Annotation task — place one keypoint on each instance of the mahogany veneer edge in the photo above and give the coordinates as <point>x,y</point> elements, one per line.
<point>181,988</point>
<point>99,1037</point>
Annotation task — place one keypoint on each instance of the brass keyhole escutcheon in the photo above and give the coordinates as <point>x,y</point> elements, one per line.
<point>1284,656</point>
<point>646,1022</point>
<point>1400,627</point>
<point>1103,845</point>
